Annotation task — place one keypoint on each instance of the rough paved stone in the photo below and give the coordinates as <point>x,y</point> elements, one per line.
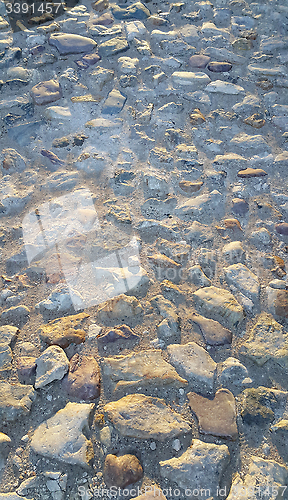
<point>216,416</point>
<point>114,103</point>
<point>135,11</point>
<point>5,444</point>
<point>143,369</point>
<point>15,400</point>
<point>5,357</point>
<point>12,496</point>
<point>260,474</point>
<point>219,304</point>
<point>83,379</point>
<point>144,417</point>
<point>188,78</point>
<point>259,404</point>
<point>267,340</point>
<point>64,331</point>
<point>200,467</point>
<point>67,43</point>
<point>196,365</point>
<point>212,331</point>
<point>61,436</point>
<point>242,278</point>
<point>120,308</point>
<point>232,374</point>
<point>51,365</point>
<point>17,316</point>
<point>218,86</point>
<point>113,46</point>
<point>122,471</point>
<point>45,92</point>
<point>233,252</point>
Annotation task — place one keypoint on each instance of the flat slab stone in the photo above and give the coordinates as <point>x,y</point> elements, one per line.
<point>12,496</point>
<point>196,365</point>
<point>145,417</point>
<point>114,103</point>
<point>212,331</point>
<point>15,400</point>
<point>262,476</point>
<point>244,141</point>
<point>189,78</point>
<point>143,369</point>
<point>267,340</point>
<point>247,282</point>
<point>216,416</point>
<point>218,86</point>
<point>64,331</point>
<point>61,437</point>
<point>196,206</point>
<point>68,43</point>
<point>46,92</point>
<point>219,304</point>
<point>113,46</point>
<point>200,467</point>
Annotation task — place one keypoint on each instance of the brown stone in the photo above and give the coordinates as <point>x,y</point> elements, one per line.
<point>83,380</point>
<point>256,121</point>
<point>190,187</point>
<point>212,331</point>
<point>282,228</point>
<point>64,331</point>
<point>122,471</point>
<point>232,224</point>
<point>216,416</point>
<point>251,172</point>
<point>45,92</point>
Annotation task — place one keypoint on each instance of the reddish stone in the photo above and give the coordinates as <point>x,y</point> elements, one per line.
<point>83,380</point>
<point>216,416</point>
<point>122,471</point>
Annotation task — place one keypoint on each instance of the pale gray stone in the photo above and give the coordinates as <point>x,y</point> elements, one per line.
<point>195,364</point>
<point>5,444</point>
<point>15,400</point>
<point>200,467</point>
<point>198,277</point>
<point>267,340</point>
<point>243,279</point>
<point>219,304</point>
<point>51,365</point>
<point>221,87</point>
<point>61,436</point>
<point>233,252</point>
<point>262,477</point>
<point>145,417</point>
<point>196,206</point>
<point>189,79</point>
